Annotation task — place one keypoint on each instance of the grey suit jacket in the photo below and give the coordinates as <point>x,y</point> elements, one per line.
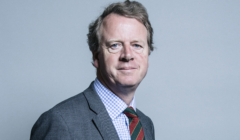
<point>82,117</point>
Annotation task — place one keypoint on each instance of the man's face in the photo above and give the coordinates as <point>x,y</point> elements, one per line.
<point>123,57</point>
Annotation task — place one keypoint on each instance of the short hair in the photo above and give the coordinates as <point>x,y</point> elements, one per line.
<point>131,9</point>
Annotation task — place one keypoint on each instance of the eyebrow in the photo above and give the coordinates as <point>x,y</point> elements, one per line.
<point>114,40</point>
<point>119,40</point>
<point>136,40</point>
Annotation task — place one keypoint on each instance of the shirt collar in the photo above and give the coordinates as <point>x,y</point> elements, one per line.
<point>113,104</point>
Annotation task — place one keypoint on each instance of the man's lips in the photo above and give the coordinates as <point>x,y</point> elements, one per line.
<point>127,68</point>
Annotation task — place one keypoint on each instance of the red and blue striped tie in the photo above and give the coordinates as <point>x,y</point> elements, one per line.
<point>135,126</point>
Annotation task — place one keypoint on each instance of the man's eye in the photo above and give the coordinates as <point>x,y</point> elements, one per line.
<point>114,45</point>
<point>137,46</point>
<point>114,48</point>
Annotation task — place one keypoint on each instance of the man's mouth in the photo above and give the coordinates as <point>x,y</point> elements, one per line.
<point>126,68</point>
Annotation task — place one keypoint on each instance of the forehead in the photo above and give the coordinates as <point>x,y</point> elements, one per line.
<point>117,25</point>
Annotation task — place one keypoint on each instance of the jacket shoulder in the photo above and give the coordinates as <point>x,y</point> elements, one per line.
<point>76,102</point>
<point>56,123</point>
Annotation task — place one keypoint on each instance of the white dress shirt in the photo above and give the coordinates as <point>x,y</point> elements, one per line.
<point>115,107</point>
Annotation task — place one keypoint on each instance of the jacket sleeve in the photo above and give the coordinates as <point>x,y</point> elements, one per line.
<point>50,126</point>
<point>153,131</point>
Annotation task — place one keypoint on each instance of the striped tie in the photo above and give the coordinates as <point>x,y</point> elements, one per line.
<point>135,126</point>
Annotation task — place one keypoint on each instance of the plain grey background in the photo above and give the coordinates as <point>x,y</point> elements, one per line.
<point>191,91</point>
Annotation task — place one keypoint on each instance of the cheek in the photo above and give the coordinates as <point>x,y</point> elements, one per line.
<point>143,59</point>
<point>144,63</point>
<point>109,61</point>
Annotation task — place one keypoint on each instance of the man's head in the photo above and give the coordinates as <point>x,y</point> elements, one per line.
<point>131,9</point>
<point>121,40</point>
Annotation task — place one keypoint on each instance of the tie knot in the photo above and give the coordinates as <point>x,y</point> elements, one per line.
<point>130,113</point>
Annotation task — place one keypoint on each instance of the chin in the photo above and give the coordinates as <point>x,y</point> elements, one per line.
<point>128,82</point>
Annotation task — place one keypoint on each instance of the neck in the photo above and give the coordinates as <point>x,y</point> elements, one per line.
<point>126,93</point>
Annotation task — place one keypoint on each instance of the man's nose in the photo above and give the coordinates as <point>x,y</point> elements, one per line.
<point>127,53</point>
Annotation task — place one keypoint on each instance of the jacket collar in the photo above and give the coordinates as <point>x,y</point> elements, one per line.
<point>101,120</point>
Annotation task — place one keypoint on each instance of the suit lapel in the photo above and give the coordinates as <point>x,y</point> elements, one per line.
<point>105,126</point>
<point>101,120</point>
<point>146,126</point>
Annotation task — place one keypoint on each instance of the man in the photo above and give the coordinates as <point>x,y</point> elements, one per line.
<point>120,41</point>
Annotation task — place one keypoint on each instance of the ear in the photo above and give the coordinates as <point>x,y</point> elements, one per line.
<point>95,62</point>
